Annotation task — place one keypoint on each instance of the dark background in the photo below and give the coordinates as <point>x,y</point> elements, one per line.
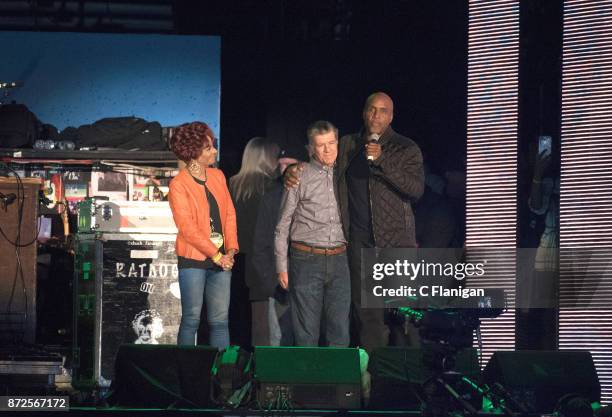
<point>280,80</point>
<point>287,63</point>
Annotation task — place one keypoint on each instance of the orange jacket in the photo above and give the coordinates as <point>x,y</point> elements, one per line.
<point>192,214</point>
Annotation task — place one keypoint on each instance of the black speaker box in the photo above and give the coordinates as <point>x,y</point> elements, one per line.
<point>398,375</point>
<point>163,376</point>
<point>308,377</point>
<point>538,379</point>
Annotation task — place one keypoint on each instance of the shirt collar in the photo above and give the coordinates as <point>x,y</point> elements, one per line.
<point>319,165</point>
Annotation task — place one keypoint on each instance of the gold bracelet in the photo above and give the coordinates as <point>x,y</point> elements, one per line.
<point>216,257</point>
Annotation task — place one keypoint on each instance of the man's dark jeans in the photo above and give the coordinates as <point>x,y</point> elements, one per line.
<point>319,285</point>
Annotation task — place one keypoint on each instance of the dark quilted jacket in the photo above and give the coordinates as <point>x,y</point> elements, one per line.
<point>397,180</point>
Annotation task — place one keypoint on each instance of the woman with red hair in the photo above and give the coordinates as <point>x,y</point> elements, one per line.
<point>207,239</point>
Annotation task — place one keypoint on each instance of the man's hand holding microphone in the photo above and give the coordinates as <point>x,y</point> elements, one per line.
<point>373,148</point>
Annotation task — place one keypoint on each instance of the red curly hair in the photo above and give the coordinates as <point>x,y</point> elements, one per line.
<point>190,139</point>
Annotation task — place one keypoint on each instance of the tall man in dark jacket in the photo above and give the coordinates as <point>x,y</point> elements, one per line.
<point>380,174</point>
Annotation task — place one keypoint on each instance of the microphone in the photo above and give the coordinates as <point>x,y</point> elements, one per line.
<point>373,138</point>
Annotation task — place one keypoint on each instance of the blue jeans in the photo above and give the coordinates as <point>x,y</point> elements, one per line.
<point>195,284</point>
<point>319,286</point>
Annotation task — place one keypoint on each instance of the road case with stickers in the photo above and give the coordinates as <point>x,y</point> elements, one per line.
<point>125,291</point>
<point>96,215</point>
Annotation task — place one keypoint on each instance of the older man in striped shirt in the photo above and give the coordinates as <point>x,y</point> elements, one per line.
<point>309,226</point>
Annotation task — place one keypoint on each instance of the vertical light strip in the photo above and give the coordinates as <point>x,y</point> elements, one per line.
<point>585,295</point>
<point>492,118</point>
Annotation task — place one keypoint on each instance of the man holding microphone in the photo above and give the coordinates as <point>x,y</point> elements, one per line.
<point>379,174</point>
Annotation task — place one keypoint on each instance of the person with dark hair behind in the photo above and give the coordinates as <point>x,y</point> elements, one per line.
<point>206,221</point>
<point>435,222</point>
<point>543,294</point>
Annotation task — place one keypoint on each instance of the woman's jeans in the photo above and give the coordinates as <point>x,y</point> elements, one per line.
<point>195,284</point>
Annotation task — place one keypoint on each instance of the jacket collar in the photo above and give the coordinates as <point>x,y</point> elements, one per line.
<point>185,176</point>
